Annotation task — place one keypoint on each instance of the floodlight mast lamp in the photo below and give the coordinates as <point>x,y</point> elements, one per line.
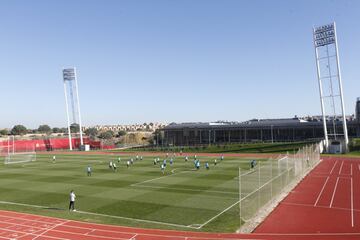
<point>69,75</point>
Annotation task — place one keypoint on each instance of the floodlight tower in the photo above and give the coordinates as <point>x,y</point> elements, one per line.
<point>329,79</point>
<point>72,95</point>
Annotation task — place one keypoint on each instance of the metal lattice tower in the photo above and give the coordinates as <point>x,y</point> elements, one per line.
<point>330,82</point>
<point>72,95</point>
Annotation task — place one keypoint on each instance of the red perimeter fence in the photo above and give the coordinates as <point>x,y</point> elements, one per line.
<point>49,144</point>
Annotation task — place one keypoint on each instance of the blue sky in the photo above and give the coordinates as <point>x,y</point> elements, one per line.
<point>169,61</point>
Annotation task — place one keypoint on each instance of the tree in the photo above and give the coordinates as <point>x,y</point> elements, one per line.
<point>18,130</point>
<point>107,135</point>
<point>44,129</point>
<point>56,130</point>
<point>74,128</point>
<point>4,132</point>
<point>121,133</point>
<point>91,132</point>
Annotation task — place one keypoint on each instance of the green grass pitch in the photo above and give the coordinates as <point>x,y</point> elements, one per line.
<point>139,196</point>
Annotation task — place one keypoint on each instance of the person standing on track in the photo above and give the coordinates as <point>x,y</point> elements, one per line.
<point>72,201</point>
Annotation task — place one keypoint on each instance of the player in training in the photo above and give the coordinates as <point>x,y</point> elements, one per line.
<point>207,166</point>
<point>114,167</point>
<point>111,165</point>
<point>155,161</point>
<point>54,159</point>
<point>127,164</point>
<point>186,158</point>
<point>222,157</point>
<point>88,170</point>
<point>252,164</point>
<point>72,201</point>
<point>162,168</point>
<point>119,160</point>
<point>215,162</point>
<point>131,161</point>
<point>171,161</point>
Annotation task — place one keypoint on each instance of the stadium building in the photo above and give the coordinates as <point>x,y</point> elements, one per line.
<point>264,130</point>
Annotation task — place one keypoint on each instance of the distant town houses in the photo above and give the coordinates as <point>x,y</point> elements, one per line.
<point>146,127</point>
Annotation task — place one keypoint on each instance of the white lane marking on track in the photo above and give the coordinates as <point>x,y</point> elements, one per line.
<point>342,163</point>
<point>332,169</point>
<point>50,228</point>
<point>327,179</point>
<point>333,195</point>
<point>352,204</point>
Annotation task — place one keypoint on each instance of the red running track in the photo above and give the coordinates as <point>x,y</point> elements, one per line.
<point>327,201</point>
<point>325,205</point>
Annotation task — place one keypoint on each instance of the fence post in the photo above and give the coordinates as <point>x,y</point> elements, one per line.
<point>259,188</point>
<point>240,195</point>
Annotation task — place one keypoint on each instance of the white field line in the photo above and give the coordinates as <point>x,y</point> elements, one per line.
<point>352,204</point>
<point>217,215</point>
<point>187,189</point>
<point>134,219</point>
<point>153,179</point>
<point>265,184</point>
<point>333,195</point>
<point>50,228</point>
<point>327,179</point>
<point>342,163</point>
<point>332,169</point>
<point>103,215</point>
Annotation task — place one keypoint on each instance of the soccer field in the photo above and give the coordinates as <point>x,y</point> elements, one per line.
<point>183,198</point>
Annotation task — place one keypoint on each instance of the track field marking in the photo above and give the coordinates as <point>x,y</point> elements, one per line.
<point>342,163</point>
<point>351,170</point>
<point>352,203</point>
<point>51,228</point>
<point>317,200</point>
<point>333,195</point>
<point>318,206</point>
<point>332,169</point>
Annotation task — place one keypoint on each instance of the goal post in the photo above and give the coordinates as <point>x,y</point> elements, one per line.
<point>18,151</point>
<point>21,157</point>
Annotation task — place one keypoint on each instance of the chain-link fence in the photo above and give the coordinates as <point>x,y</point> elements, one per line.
<point>270,178</point>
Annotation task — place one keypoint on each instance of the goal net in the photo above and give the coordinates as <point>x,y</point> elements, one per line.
<point>20,157</point>
<point>18,151</point>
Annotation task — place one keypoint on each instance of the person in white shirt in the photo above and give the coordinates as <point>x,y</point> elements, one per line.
<point>72,201</point>
<point>54,159</point>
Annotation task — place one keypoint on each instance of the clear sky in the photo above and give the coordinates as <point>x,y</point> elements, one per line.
<point>169,61</point>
